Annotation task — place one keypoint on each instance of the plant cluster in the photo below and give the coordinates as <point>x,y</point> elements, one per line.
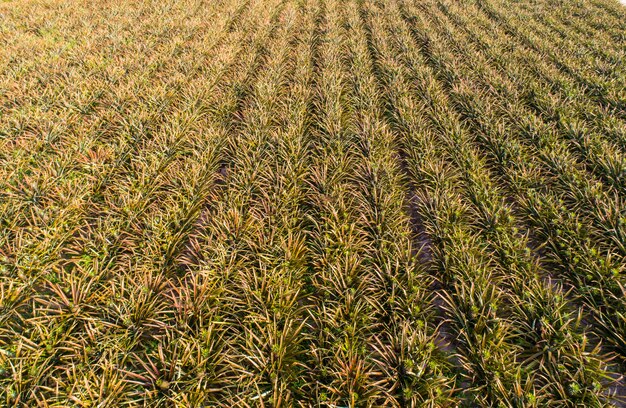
<point>321,203</point>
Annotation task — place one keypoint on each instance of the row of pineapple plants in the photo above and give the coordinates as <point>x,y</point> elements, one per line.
<point>251,244</point>
<point>374,342</point>
<point>176,361</point>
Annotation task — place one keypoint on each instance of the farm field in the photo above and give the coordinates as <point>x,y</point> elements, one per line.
<point>312,203</point>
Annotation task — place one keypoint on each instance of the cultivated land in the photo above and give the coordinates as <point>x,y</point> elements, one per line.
<point>268,203</point>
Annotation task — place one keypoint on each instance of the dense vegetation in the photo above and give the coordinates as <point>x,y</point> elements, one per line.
<point>360,203</point>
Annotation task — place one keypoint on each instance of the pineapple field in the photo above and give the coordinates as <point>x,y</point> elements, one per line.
<point>312,203</point>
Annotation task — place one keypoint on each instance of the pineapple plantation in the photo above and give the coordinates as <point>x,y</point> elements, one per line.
<point>312,203</point>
